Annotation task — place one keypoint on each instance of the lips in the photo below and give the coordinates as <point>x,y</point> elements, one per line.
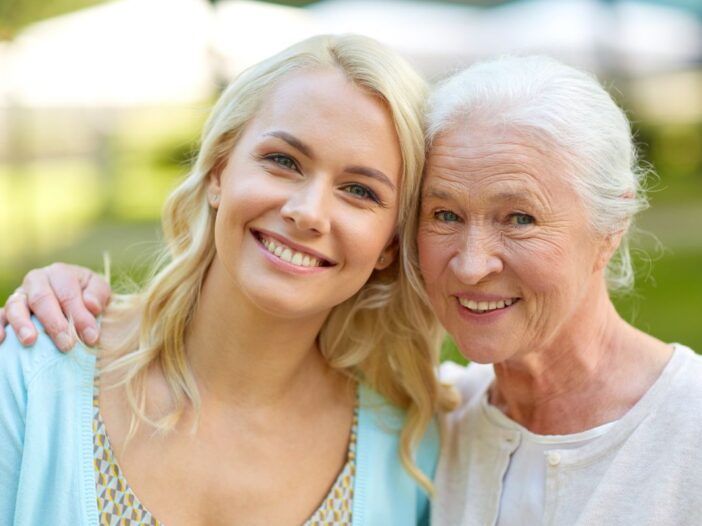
<point>290,252</point>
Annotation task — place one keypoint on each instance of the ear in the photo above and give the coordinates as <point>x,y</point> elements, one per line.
<point>608,246</point>
<point>214,185</point>
<point>388,255</point>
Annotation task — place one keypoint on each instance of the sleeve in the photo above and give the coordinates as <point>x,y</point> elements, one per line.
<point>13,407</point>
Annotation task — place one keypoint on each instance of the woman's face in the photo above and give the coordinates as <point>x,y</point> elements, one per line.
<point>505,248</point>
<point>308,198</point>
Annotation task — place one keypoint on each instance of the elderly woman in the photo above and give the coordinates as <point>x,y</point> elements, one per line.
<point>531,186</point>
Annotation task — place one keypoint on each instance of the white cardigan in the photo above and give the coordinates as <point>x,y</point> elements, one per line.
<point>646,470</point>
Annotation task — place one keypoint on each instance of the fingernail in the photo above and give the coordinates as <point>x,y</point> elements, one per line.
<point>24,334</point>
<point>90,336</point>
<point>63,340</point>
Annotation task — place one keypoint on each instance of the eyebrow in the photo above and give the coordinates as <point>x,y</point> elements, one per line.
<point>372,173</point>
<point>504,196</point>
<point>512,196</point>
<point>436,194</point>
<point>292,141</point>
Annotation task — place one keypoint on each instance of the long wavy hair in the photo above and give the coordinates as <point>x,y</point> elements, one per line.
<point>384,335</point>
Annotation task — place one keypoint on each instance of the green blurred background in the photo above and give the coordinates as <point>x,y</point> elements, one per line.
<point>71,196</point>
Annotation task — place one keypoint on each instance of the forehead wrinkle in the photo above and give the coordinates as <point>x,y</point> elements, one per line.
<point>465,143</point>
<point>529,176</point>
<point>512,184</point>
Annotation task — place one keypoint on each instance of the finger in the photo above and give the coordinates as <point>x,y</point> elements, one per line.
<point>97,294</point>
<point>19,317</point>
<point>68,282</point>
<point>43,302</point>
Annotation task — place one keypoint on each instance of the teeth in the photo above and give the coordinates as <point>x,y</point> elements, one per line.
<point>289,255</point>
<point>485,306</point>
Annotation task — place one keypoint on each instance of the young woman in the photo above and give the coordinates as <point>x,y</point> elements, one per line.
<point>279,366</point>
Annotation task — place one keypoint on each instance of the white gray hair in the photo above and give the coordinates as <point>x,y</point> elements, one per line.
<point>565,108</point>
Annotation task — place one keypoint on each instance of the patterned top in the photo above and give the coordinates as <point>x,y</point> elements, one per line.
<point>119,506</point>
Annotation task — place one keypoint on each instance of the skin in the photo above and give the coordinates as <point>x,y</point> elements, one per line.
<point>501,221</point>
<point>317,168</point>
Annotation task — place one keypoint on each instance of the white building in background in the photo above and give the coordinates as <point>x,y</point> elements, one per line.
<point>121,53</point>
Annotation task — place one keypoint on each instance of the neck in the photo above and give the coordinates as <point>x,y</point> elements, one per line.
<point>591,373</point>
<point>246,357</point>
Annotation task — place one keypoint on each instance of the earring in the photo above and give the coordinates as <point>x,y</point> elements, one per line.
<point>382,259</point>
<point>214,199</point>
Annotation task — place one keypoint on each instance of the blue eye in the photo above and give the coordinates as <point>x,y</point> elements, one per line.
<point>283,161</point>
<point>361,192</point>
<point>446,216</point>
<point>521,219</point>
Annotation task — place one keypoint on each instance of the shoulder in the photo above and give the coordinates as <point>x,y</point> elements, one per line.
<point>380,424</point>
<point>386,493</point>
<point>471,381</point>
<point>19,364</point>
<point>687,378</point>
<point>688,357</point>
<point>382,416</point>
<point>45,401</point>
<point>40,364</point>
<point>673,402</point>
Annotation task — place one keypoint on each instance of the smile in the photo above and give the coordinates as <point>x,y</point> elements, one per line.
<point>289,254</point>
<point>481,307</point>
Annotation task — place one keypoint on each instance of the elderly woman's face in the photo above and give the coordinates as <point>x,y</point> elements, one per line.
<point>506,251</point>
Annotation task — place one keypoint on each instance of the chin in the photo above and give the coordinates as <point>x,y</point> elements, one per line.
<point>487,353</point>
<point>289,307</point>
<point>284,310</point>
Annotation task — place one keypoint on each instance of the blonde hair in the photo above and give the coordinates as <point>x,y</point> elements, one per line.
<point>384,335</point>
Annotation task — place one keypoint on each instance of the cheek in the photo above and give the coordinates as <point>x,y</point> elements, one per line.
<point>432,255</point>
<point>423,254</point>
<point>361,236</point>
<point>551,278</point>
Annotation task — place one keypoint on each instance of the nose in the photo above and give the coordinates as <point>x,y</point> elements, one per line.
<point>308,207</point>
<point>478,258</point>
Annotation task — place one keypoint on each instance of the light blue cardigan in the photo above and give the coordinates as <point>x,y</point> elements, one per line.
<point>46,445</point>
